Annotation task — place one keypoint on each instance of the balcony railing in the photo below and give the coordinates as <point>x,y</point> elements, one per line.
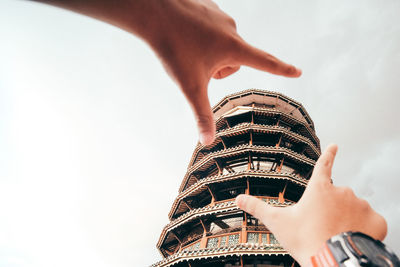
<point>261,238</point>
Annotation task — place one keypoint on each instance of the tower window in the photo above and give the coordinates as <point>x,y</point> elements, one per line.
<point>233,239</point>
<point>212,242</point>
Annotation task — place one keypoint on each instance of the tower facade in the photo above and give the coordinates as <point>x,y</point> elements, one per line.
<point>265,146</point>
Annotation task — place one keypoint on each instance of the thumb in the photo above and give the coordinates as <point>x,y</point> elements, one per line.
<point>323,167</point>
<point>269,215</point>
<point>200,104</point>
<point>225,72</point>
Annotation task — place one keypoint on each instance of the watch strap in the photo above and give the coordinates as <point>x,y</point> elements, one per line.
<point>324,257</point>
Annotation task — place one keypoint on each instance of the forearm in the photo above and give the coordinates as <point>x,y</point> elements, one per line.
<point>139,17</point>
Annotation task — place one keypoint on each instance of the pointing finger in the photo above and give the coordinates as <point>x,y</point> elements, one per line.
<point>258,208</point>
<point>256,58</point>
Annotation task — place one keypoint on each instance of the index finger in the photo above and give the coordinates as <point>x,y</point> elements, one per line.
<point>258,208</point>
<point>256,58</point>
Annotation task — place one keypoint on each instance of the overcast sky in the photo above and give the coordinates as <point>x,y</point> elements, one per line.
<point>95,138</point>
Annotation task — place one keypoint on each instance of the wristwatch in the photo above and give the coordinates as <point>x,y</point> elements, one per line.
<point>353,249</point>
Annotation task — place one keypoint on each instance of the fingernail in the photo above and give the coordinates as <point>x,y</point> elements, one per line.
<point>202,139</point>
<point>206,138</point>
<point>334,148</point>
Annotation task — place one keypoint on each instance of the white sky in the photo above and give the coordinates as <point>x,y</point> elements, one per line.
<point>95,138</point>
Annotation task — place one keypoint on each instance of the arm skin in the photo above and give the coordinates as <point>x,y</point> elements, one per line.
<point>323,211</point>
<point>194,39</point>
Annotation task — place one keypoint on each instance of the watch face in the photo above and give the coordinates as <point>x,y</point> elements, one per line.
<point>373,250</point>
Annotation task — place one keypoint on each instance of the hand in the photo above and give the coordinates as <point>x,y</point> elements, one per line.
<point>194,40</point>
<point>199,41</point>
<point>323,211</point>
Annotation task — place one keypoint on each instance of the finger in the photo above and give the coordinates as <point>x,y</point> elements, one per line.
<point>200,103</point>
<point>256,58</point>
<point>225,72</point>
<point>258,208</point>
<point>323,168</point>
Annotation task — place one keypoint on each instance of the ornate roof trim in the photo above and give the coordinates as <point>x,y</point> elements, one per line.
<point>209,253</point>
<point>254,91</point>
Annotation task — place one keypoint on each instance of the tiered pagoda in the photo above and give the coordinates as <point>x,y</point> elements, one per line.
<point>265,146</point>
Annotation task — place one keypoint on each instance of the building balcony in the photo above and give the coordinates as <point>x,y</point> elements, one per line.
<point>202,184</point>
<point>221,207</point>
<point>246,127</point>
<point>210,159</point>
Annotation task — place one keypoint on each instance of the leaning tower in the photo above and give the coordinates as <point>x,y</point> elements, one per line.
<point>266,147</point>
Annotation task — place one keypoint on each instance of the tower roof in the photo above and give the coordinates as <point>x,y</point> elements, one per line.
<point>226,107</point>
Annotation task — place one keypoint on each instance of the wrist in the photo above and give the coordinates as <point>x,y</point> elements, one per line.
<point>140,17</point>
<point>354,249</point>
